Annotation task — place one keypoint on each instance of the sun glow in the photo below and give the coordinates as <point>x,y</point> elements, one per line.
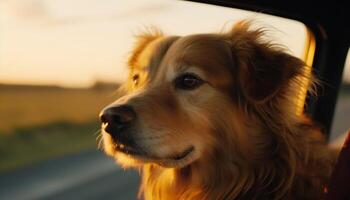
<point>72,43</point>
<point>309,52</point>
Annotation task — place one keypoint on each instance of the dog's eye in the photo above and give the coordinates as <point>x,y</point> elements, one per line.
<point>135,79</point>
<point>188,82</point>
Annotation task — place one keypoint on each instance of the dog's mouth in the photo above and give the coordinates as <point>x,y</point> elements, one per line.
<point>175,160</point>
<point>128,150</point>
<point>182,155</point>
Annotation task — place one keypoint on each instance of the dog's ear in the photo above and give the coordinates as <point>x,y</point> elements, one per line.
<point>263,70</point>
<point>147,54</point>
<point>266,72</point>
<point>137,70</point>
<point>141,42</point>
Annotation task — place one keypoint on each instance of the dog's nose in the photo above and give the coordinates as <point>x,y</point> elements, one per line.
<point>117,118</point>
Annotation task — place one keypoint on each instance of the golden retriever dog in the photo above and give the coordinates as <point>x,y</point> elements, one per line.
<point>213,116</point>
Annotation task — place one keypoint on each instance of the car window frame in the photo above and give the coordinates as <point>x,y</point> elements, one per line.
<point>331,44</point>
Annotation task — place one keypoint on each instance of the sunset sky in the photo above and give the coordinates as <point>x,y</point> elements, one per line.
<point>76,42</point>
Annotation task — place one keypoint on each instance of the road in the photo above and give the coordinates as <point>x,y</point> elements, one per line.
<point>91,175</point>
<point>85,175</point>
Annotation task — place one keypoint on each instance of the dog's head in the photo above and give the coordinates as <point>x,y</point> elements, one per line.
<point>199,95</point>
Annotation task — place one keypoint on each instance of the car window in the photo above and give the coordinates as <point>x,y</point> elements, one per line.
<point>61,62</point>
<point>340,124</point>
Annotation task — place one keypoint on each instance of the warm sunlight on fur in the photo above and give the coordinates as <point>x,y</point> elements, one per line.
<point>213,116</point>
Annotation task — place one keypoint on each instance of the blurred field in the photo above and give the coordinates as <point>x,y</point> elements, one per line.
<point>40,122</point>
<point>23,106</point>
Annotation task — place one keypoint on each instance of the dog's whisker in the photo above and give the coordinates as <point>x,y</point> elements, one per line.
<point>98,131</point>
<point>98,137</point>
<point>100,142</point>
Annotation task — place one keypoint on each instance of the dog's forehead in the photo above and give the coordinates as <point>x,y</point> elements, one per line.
<point>208,52</point>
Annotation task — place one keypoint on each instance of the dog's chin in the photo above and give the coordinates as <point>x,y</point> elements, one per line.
<point>129,158</point>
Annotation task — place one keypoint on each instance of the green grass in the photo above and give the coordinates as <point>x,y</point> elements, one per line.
<point>24,146</point>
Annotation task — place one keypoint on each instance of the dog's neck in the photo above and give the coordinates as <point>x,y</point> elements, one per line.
<point>190,182</point>
<point>220,180</point>
<point>225,178</point>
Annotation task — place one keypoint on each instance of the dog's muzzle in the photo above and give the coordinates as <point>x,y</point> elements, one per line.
<point>117,120</point>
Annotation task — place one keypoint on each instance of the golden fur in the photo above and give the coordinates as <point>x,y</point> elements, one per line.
<point>247,140</point>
